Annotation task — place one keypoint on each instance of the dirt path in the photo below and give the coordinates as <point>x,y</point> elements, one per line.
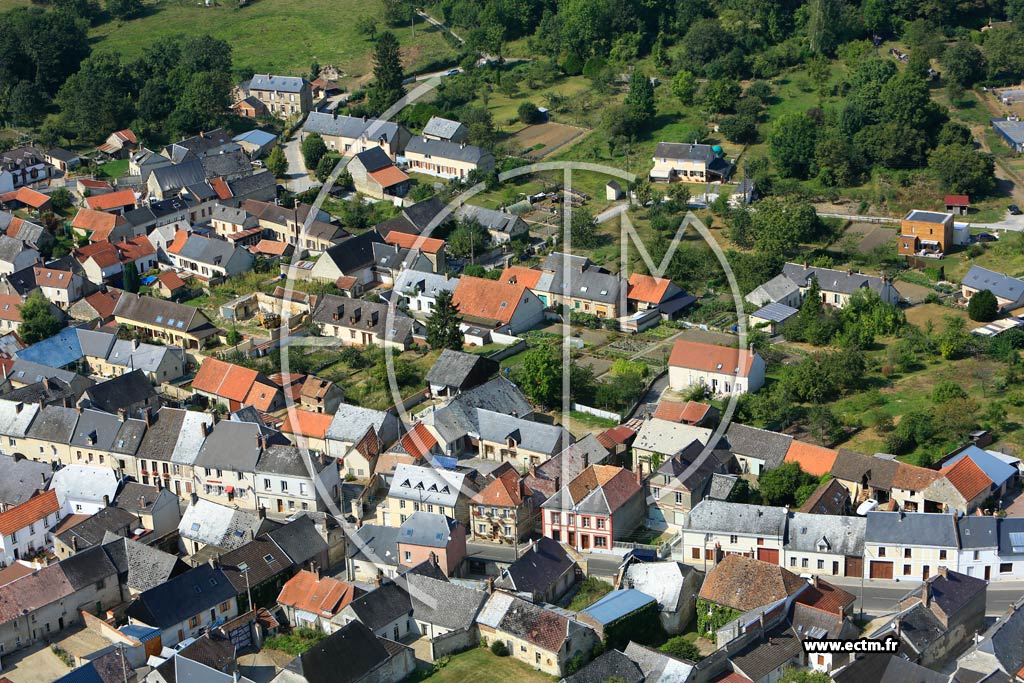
<point>1007,179</point>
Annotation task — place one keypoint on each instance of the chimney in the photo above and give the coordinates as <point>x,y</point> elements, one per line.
<point>18,407</point>
<point>944,572</point>
<point>263,511</point>
<point>142,499</point>
<point>639,474</point>
<point>42,479</point>
<point>205,429</point>
<point>46,383</point>
<point>558,483</point>
<point>814,580</point>
<point>122,414</point>
<point>106,501</point>
<point>926,593</point>
<point>213,562</point>
<point>490,585</point>
<point>74,542</point>
<point>252,535</point>
<point>195,497</point>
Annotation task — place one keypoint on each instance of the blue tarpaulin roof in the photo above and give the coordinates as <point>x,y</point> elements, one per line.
<point>140,632</point>
<point>445,462</point>
<point>148,280</point>
<point>617,604</point>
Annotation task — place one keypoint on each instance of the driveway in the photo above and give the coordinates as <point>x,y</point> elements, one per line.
<point>37,664</point>
<point>298,179</point>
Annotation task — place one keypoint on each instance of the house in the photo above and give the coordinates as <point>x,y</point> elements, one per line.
<point>996,466</point>
<point>206,143</point>
<point>415,488</point>
<point>764,653</point>
<point>61,287</point>
<point>187,605</point>
<point>419,290</point>
<point>288,225</point>
<point>673,585</point>
<point>142,162</point>
<point>62,159</point>
<point>373,555</point>
<point>155,506</point>
<point>349,265</point>
<point>997,650</point>
<point>454,372</point>
<point>446,130</point>
<point>543,573</point>
<point>505,510</point>
<point>573,281</point>
<point>21,479</point>
<point>249,107</point>
<point>77,535</point>
<point>129,394</point>
<point>680,162</point>
<point>166,182</point>
<point>22,166</point>
<point>376,175</point>
<point>116,203</point>
<point>427,536</point>
<point>925,233</point>
<point>772,317</point>
<point>887,668</point>
<point>444,612</point>
<point>85,187</point>
<point>256,143</point>
<point>910,546</point>
<point>32,234</point>
<point>937,620</point>
<point>24,528</point>
<point>693,413</point>
<point>534,635</point>
<point>350,135</point>
<point>283,96</point>
<point>779,290</point>
<point>430,248</point>
<point>206,524</point>
<point>310,600</point>
<point>825,545</point>
<point>1009,291</point>
<point>184,326</point>
<point>418,218</point>
<point>169,285</point>
<point>958,204</point>
<point>119,144</point>
<point>15,255</point>
<point>830,498</point>
<point>717,529</point>
<point>602,504</point>
<point>502,226</point>
<point>368,658</point>
<point>390,259</point>
<point>210,260</point>
<point>547,477</point>
<point>838,286</point>
<point>658,440</point>
<point>158,363</point>
<point>363,323</point>
<point>445,159</point>
<point>357,436</point>
<point>969,482</point>
<point>681,482</point>
<point>743,584</point>
<point>83,489</point>
<point>288,479</point>
<point>500,306</point>
<point>812,459</point>
<point>518,441</point>
<point>646,292</point>
<point>722,370</point>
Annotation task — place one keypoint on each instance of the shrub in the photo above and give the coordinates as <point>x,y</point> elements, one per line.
<point>498,649</point>
<point>983,307</point>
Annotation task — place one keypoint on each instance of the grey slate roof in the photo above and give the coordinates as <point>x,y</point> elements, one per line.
<point>16,417</point>
<point>10,248</point>
<point>721,516</point>
<point>291,461</point>
<point>610,665</point>
<point>253,185</point>
<point>226,163</point>
<point>95,343</point>
<point>928,216</point>
<point>758,443</point>
<point>459,416</point>
<point>299,539</point>
<point>175,435</point>
<point>1011,536</point>
<point>178,176</point>
<point>374,159</point>
<point>92,531</point>
<point>292,84</point>
<point>354,253</point>
<point>658,667</point>
<point>1003,640</point>
<point>529,435</point>
<point>426,485</point>
<point>124,391</point>
<point>768,653</point>
<point>96,429</point>
<point>441,128</point>
<point>381,606</point>
<point>979,532</point>
<point>443,603</point>
<point>826,533</point>
<point>454,368</point>
<point>914,528</point>
<point>20,478</point>
<point>681,150</point>
<point>233,446</point>
<point>581,280</point>
<point>498,221</point>
<point>88,567</point>
<point>427,529</point>
<point>1003,286</point>
<point>197,590</point>
<point>350,423</point>
<point>567,465</point>
<point>887,668</point>
<point>831,280</point>
<point>218,525</point>
<point>952,592</point>
<point>354,644</point>
<point>442,149</point>
<point>348,126</point>
<point>537,569</point>
<point>376,543</point>
<point>144,566</point>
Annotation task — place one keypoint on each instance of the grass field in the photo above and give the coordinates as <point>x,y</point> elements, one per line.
<point>275,36</point>
<point>480,666</point>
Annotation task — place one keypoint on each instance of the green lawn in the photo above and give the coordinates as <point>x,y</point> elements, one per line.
<point>480,666</point>
<point>114,169</point>
<point>273,36</point>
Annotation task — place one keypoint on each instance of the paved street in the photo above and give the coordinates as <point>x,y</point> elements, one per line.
<point>880,597</point>
<point>297,179</point>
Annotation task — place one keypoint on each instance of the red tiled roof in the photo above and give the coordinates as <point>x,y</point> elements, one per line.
<point>95,221</point>
<point>967,478</point>
<point>170,280</point>
<point>615,436</point>
<point>310,593</point>
<point>12,573</point>
<point>10,307</point>
<point>744,583</point>
<point>262,396</point>
<point>95,184</point>
<point>913,478</point>
<point>487,299</point>
<point>617,483</point>
<point>50,277</point>
<point>346,282</point>
<point>827,598</point>
<point>428,245</point>
<point>32,510</point>
<point>135,248</point>
<point>103,302</point>
<point>306,423</point>
<point>111,200</point>
<point>176,245</point>
<point>520,275</point>
<point>815,460</point>
<point>221,188</point>
<point>103,253</point>
<point>678,411</point>
<point>271,247</point>
<point>503,491</point>
<point>647,288</point>
<point>27,196</point>
<point>32,592</point>
<point>419,441</point>
<point>957,200</point>
<point>710,358</point>
<point>224,379</point>
<point>388,176</point>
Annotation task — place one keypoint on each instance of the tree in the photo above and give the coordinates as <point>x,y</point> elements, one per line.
<point>640,99</point>
<point>721,95</point>
<point>277,163</point>
<point>367,26</point>
<point>313,150</point>
<point>583,229</point>
<point>529,114</point>
<point>739,129</point>
<point>314,70</point>
<point>791,143</point>
<point>682,648</point>
<point>779,486</point>
<point>983,307</point>
<point>130,278</point>
<point>684,86</point>
<point>791,675</point>
<point>387,74</point>
<point>962,169</point>
<point>124,9</point>
<point>26,104</point>
<point>61,199</point>
<point>963,63</point>
<point>443,324</point>
<point>540,375</point>
<point>468,239</point>
<point>38,321</point>
<point>325,166</point>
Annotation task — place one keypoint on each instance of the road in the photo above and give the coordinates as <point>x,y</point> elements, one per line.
<point>298,179</point>
<point>880,597</point>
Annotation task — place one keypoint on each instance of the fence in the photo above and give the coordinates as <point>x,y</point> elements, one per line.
<point>860,219</point>
<point>510,350</point>
<point>597,412</point>
<point>409,402</point>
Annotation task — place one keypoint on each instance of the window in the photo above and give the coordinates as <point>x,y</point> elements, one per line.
<point>401,505</point>
<point>821,564</point>
<point>942,554</point>
<point>537,655</point>
<point>792,562</point>
<point>907,554</point>
<point>600,542</point>
<point>695,553</point>
<point>585,522</point>
<point>193,622</point>
<point>556,518</point>
<point>430,508</point>
<point>976,555</point>
<point>906,570</point>
<point>803,563</point>
<point>1005,567</point>
<point>568,519</point>
<point>760,541</point>
<point>679,498</point>
<point>881,552</point>
<point>407,555</point>
<point>733,539</point>
<point>600,523</point>
<point>225,606</point>
<point>284,487</point>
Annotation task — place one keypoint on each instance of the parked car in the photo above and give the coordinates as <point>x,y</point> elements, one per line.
<point>986,237</point>
<point>1014,210</point>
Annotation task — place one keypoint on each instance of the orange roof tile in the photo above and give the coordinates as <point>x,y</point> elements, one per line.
<point>51,277</point>
<point>615,436</point>
<point>478,297</point>
<point>647,288</point>
<point>913,478</point>
<point>504,491</point>
<point>93,221</point>
<point>126,135</point>
<point>826,597</point>
<point>262,396</point>
<point>95,184</point>
<point>815,460</point>
<point>176,245</point>
<point>27,196</point>
<point>967,478</point>
<point>10,307</point>
<point>103,302</point>
<point>221,188</point>
<point>744,583</point>
<point>419,441</point>
<point>170,280</point>
<point>32,510</point>
<point>520,275</point>
<point>15,226</point>
<point>111,200</point>
<point>271,247</point>
<point>103,253</point>
<point>711,358</point>
<point>308,592</point>
<point>428,245</point>
<point>389,176</point>
<point>135,248</point>
<point>306,423</point>
<point>346,282</point>
<point>224,379</point>
<point>618,484</point>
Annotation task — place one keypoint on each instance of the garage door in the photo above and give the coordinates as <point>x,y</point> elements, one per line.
<point>881,570</point>
<point>854,566</point>
<point>768,555</point>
